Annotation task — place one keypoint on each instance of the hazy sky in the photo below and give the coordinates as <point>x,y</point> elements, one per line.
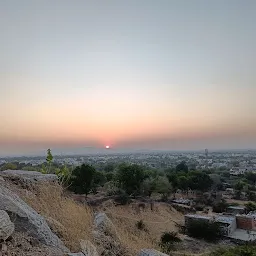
<point>159,74</point>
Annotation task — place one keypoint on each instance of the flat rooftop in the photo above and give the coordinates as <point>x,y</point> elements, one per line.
<point>225,219</point>
<point>197,216</point>
<point>243,235</point>
<point>236,207</point>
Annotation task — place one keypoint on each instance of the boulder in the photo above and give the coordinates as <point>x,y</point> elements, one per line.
<point>27,219</point>
<point>6,226</point>
<point>29,176</point>
<point>151,252</point>
<point>88,248</point>
<point>106,237</point>
<point>104,224</point>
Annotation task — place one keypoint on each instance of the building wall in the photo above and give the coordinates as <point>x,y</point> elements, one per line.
<point>189,219</point>
<point>233,226</point>
<point>230,228</point>
<point>245,222</point>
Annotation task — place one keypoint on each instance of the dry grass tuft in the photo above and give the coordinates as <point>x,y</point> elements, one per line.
<point>69,220</point>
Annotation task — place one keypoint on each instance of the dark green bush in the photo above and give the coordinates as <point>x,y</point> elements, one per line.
<point>167,241</point>
<point>199,207</point>
<point>220,206</point>
<point>123,199</point>
<point>210,231</point>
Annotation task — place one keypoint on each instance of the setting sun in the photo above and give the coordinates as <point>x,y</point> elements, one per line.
<point>107,147</point>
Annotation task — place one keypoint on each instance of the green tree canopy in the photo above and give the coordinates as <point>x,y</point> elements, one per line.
<point>130,178</point>
<point>182,167</point>
<point>199,181</point>
<point>82,179</point>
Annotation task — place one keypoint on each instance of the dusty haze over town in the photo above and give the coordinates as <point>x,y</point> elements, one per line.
<point>131,75</point>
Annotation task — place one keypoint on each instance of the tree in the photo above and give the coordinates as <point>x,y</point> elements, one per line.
<point>109,176</point>
<point>199,181</point>
<point>82,179</point>
<point>148,186</point>
<point>130,178</point>
<point>182,167</point>
<point>183,183</point>
<point>239,186</point>
<point>64,175</point>
<point>251,177</point>
<point>163,187</point>
<point>99,178</point>
<point>109,167</point>
<point>49,159</point>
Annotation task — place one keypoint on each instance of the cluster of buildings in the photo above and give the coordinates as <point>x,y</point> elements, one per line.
<point>242,170</point>
<point>235,224</point>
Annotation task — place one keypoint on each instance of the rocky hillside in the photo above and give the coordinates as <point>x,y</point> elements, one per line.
<point>37,217</point>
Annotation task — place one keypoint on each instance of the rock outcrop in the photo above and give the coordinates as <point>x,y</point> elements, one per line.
<point>151,252</point>
<point>106,237</point>
<point>28,176</point>
<point>88,248</point>
<point>6,226</point>
<point>27,219</point>
<point>104,225</point>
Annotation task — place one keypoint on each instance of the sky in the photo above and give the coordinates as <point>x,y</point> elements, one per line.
<point>166,74</point>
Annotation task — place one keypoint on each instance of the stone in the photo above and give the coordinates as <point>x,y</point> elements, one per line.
<point>31,176</point>
<point>76,254</point>
<point>151,252</point>
<point>2,179</point>
<point>27,219</point>
<point>104,224</point>
<point>106,236</point>
<point>88,248</point>
<point>6,226</point>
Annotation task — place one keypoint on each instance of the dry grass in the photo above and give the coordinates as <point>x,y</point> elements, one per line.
<point>71,221</point>
<point>157,222</point>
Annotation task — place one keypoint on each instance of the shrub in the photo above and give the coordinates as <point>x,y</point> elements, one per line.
<point>123,199</point>
<point>210,231</point>
<point>250,207</point>
<point>141,225</point>
<point>170,237</point>
<point>167,241</point>
<point>220,207</point>
<point>199,207</point>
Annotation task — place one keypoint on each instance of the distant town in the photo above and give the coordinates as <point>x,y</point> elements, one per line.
<point>236,162</point>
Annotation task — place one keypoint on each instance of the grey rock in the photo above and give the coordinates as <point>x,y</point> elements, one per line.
<point>1,179</point>
<point>29,175</point>
<point>104,224</point>
<point>88,248</point>
<point>106,236</point>
<point>27,219</point>
<point>6,226</point>
<point>76,254</point>
<point>151,252</point>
